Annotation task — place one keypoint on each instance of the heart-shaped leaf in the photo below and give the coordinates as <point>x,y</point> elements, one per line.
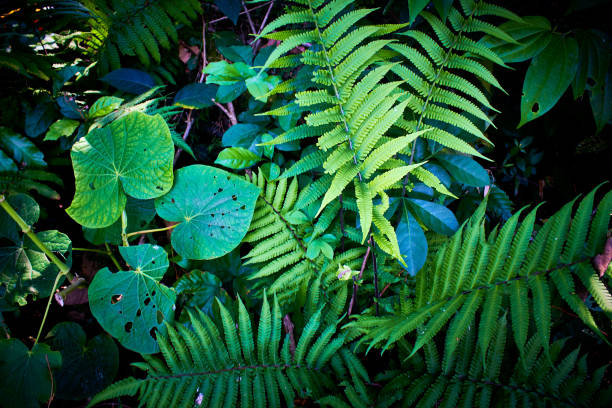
<point>133,155</point>
<point>87,366</point>
<point>26,374</point>
<point>214,209</point>
<point>131,305</point>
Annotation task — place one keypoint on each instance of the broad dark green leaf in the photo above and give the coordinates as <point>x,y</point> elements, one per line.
<point>214,217</point>
<point>548,76</point>
<point>63,127</point>
<point>240,135</point>
<point>26,271</point>
<point>228,93</point>
<point>532,35</point>
<point>231,8</point>
<point>196,96</point>
<point>20,149</point>
<point>434,216</point>
<point>464,169</point>
<point>199,290</point>
<point>87,366</point>
<point>139,214</point>
<point>412,242</point>
<point>129,80</point>
<point>415,7</point>
<point>39,119</point>
<point>443,7</point>
<point>593,61</point>
<point>26,374</point>
<point>237,158</point>
<point>131,156</point>
<point>132,305</point>
<point>601,102</point>
<point>6,163</point>
<point>237,53</point>
<point>27,209</point>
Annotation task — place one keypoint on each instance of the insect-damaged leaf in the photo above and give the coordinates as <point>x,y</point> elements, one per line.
<point>214,209</point>
<point>131,156</point>
<point>131,305</point>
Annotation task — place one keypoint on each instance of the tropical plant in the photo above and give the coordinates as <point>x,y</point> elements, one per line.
<point>358,250</point>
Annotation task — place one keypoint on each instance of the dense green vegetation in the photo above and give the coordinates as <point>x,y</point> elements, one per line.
<point>344,203</point>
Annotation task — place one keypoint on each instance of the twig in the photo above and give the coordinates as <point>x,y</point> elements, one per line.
<point>250,20</point>
<point>241,13</point>
<point>363,265</point>
<point>190,119</point>
<point>257,41</point>
<point>376,295</point>
<point>230,114</point>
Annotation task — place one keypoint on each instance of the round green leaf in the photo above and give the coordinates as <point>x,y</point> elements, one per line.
<point>214,209</point>
<point>435,216</point>
<point>465,169</point>
<point>131,305</point>
<point>548,76</point>
<point>133,155</point>
<point>87,366</point>
<point>26,374</point>
<point>412,242</point>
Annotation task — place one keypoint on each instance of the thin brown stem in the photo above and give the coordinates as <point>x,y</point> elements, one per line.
<point>257,42</point>
<point>355,286</point>
<point>376,295</point>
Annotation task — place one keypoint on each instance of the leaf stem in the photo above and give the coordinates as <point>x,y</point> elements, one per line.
<point>42,323</point>
<point>27,229</point>
<point>131,234</point>
<point>112,257</point>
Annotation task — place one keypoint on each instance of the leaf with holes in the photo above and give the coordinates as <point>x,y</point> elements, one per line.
<point>131,156</point>
<point>87,366</point>
<point>548,76</point>
<point>26,374</point>
<point>214,209</point>
<point>132,305</point>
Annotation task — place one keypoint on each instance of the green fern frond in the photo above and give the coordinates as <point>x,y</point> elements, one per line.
<point>222,364</point>
<point>473,275</point>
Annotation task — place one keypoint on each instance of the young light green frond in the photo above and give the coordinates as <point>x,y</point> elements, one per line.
<point>340,180</point>
<point>386,151</point>
<point>309,162</point>
<point>364,204</point>
<point>431,180</point>
<point>340,26</point>
<point>296,17</point>
<point>385,180</point>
